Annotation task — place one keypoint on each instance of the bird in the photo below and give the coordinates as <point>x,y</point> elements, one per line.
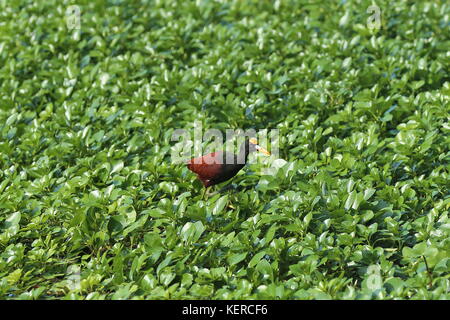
<point>220,166</point>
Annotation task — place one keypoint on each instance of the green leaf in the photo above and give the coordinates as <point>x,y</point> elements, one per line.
<point>256,258</point>
<point>368,193</point>
<point>191,232</point>
<point>350,200</point>
<point>117,167</point>
<point>220,205</point>
<point>236,258</point>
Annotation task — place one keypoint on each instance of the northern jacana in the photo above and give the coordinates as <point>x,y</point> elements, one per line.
<point>221,166</point>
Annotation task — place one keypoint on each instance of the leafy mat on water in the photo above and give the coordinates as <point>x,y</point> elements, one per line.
<point>92,207</point>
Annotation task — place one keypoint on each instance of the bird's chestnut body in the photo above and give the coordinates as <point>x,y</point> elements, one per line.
<point>220,166</point>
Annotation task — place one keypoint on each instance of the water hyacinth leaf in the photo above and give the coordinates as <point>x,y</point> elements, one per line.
<point>236,258</point>
<point>219,205</point>
<point>256,258</point>
<point>191,232</point>
<point>116,167</point>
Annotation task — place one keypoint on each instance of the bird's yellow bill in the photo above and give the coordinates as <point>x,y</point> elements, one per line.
<point>259,148</point>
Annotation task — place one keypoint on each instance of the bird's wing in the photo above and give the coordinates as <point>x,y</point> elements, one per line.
<point>207,167</point>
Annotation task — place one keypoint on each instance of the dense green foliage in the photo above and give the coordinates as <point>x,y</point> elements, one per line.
<point>359,209</point>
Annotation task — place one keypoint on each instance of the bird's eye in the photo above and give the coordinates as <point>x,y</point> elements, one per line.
<point>262,150</point>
